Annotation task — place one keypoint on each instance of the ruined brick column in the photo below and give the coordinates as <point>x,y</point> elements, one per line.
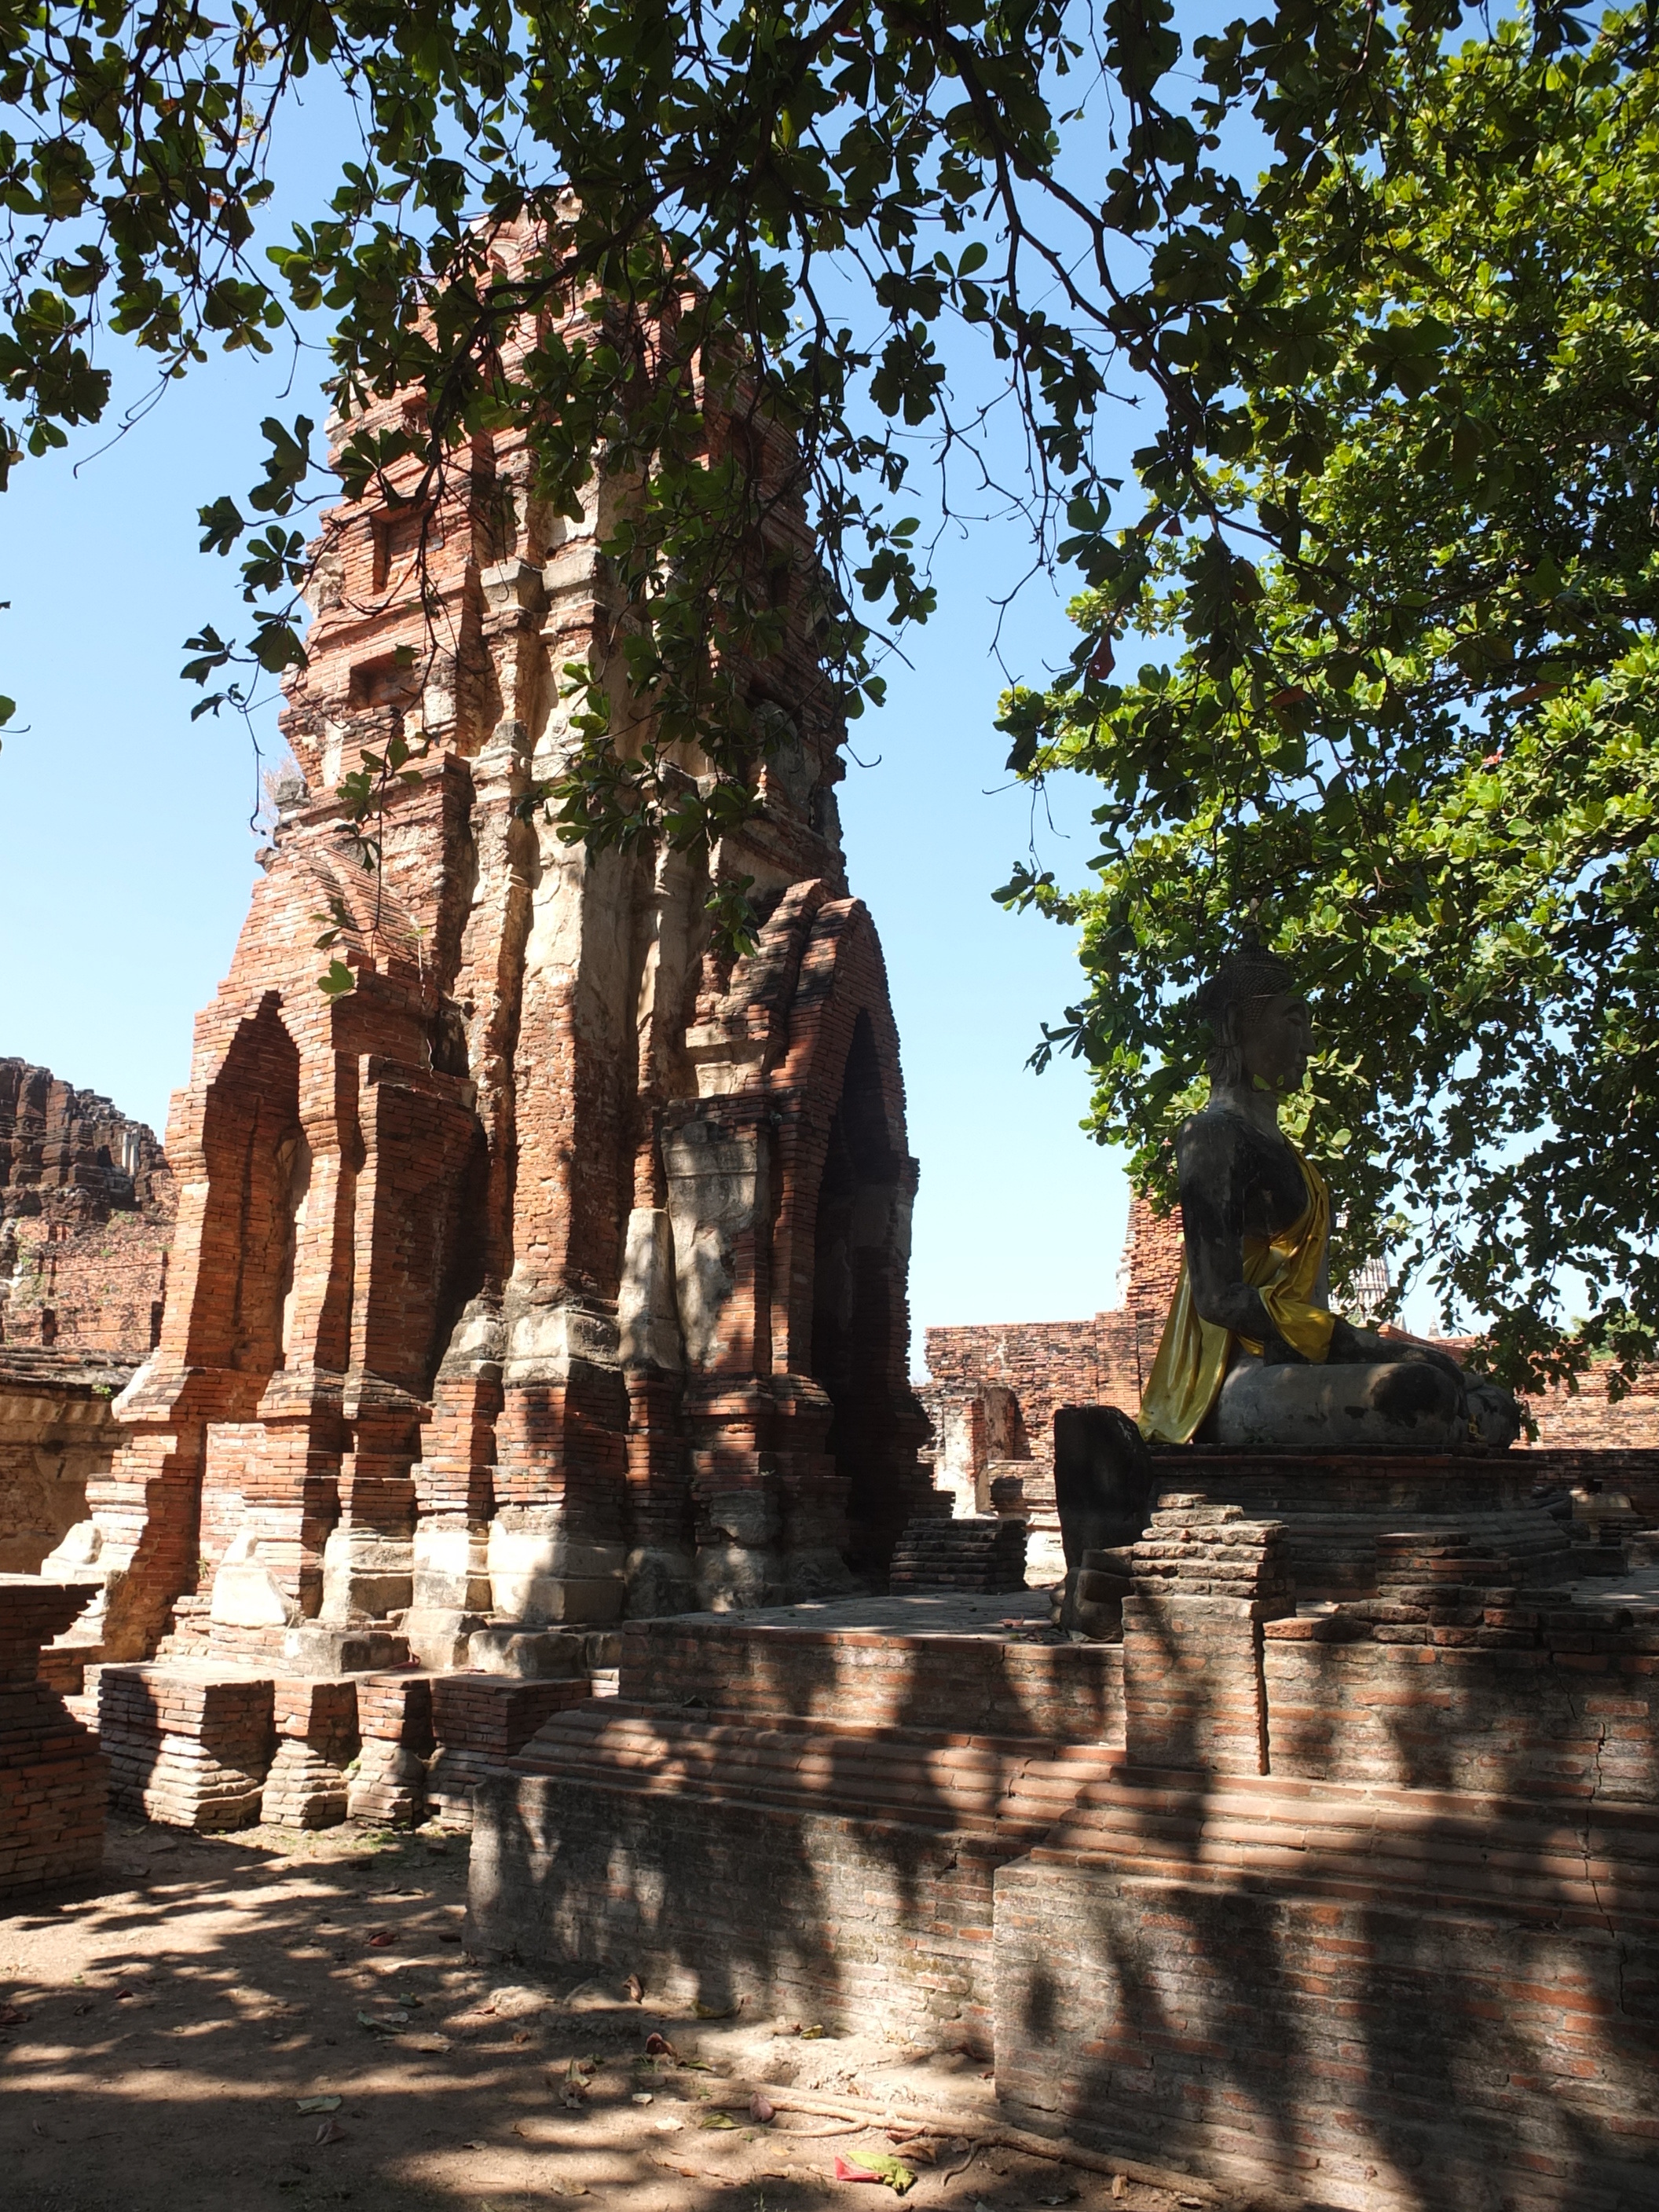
<point>556,1269</point>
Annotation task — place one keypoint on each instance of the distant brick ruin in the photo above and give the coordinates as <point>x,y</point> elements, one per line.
<point>86,1222</point>
<point>993,1387</point>
<point>556,1271</point>
<point>86,1219</point>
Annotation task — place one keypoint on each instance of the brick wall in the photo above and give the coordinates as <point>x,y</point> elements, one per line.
<point>1103,1360</point>
<point>1587,1419</point>
<point>841,1869</point>
<point>1380,2000</point>
<point>52,1779</point>
<point>1365,1911</point>
<point>1570,1717</point>
<point>816,1915</point>
<point>56,1431</point>
<point>1406,1961</point>
<point>1061,1692</point>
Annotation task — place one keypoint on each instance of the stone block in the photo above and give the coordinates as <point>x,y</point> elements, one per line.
<point>315,1648</point>
<point>526,1655</point>
<point>542,1576</point>
<point>190,1747</point>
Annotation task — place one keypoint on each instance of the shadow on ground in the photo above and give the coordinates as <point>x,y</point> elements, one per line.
<point>161,2029</point>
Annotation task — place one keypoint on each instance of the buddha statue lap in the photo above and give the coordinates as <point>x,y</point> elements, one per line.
<point>1251,1355</point>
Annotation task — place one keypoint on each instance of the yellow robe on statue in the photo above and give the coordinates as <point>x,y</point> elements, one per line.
<point>1194,1355</point>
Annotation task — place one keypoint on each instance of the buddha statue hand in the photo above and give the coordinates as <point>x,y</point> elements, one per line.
<point>1356,1347</point>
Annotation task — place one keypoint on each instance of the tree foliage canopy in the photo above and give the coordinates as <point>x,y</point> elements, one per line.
<point>1388,303</point>
<point>1414,725</point>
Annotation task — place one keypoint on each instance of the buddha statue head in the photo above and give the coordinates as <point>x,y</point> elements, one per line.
<point>1259,1020</point>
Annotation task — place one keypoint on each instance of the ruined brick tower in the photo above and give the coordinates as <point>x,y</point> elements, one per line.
<point>556,1271</point>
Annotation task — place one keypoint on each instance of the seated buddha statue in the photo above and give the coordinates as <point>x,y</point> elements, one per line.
<point>1252,1354</point>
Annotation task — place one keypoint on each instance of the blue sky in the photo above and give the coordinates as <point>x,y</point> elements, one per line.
<point>125,856</point>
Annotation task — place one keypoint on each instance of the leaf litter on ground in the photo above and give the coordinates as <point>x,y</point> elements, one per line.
<point>897,2177</point>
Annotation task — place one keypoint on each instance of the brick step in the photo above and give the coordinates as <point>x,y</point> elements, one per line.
<point>1416,1849</point>
<point>910,1775</point>
<point>983,1552</point>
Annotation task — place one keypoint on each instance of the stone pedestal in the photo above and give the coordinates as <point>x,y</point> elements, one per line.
<point>188,1745</point>
<point>1333,1506</point>
<point>541,1574</point>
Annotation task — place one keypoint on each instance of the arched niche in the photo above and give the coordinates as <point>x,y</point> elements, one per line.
<point>256,1161</point>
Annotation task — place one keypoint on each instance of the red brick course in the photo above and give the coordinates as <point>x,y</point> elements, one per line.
<point>1381,1999</point>
<point>843,1869</point>
<point>1059,1693</point>
<point>53,1780</point>
<point>1359,1904</point>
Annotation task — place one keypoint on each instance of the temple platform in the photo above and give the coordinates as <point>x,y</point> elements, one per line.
<point>1354,1898</point>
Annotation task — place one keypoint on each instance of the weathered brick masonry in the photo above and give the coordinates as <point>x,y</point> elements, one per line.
<point>800,1817</point>
<point>52,1781</point>
<point>553,1274</point>
<point>86,1219</point>
<point>1356,1897</point>
<point>86,1222</point>
<point>1102,1361</point>
<point>556,1271</point>
<point>993,1389</point>
<point>994,1385</point>
<point>58,1429</point>
<point>1371,1908</point>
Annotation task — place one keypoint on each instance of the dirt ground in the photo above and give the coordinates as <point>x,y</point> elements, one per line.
<point>258,2023</point>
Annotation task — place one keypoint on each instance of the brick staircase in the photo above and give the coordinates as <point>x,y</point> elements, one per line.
<point>983,1552</point>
